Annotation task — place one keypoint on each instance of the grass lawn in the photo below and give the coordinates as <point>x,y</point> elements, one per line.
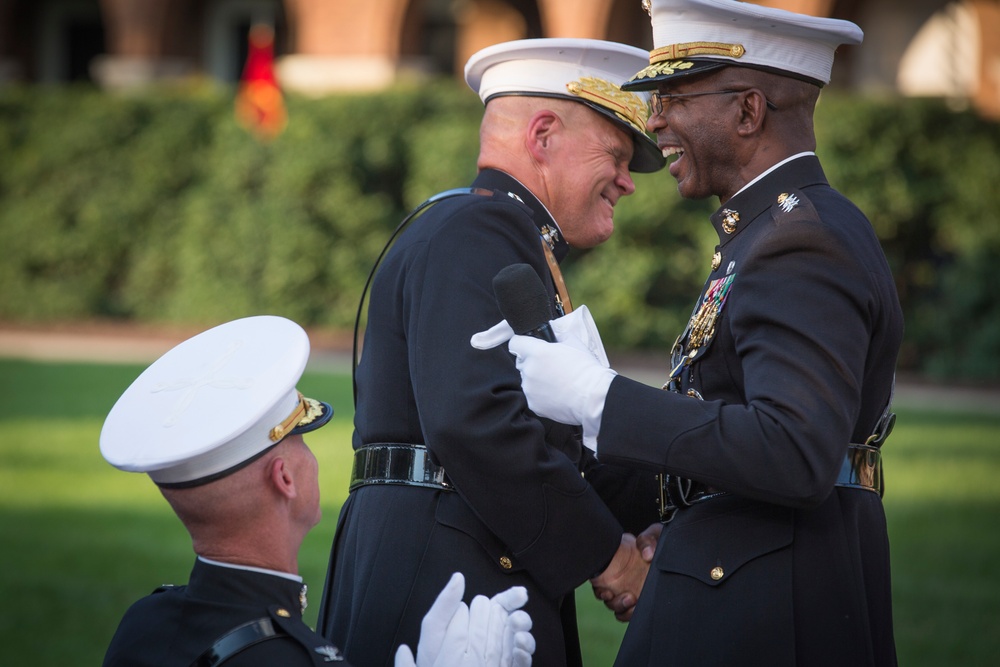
<point>81,540</point>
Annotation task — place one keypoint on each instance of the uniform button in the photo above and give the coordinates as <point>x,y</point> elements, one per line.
<point>284,613</point>
<point>717,573</point>
<point>505,563</point>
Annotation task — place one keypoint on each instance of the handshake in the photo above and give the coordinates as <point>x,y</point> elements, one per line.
<point>621,582</point>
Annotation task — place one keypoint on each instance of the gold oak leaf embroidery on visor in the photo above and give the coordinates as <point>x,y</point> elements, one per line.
<point>659,69</point>
<point>630,107</point>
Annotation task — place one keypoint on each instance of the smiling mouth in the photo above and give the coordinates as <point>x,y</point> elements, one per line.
<point>669,151</point>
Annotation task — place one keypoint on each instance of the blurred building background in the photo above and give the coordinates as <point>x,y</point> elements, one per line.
<point>927,48</point>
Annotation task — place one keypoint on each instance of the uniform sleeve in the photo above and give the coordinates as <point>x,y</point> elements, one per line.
<point>474,417</point>
<point>794,335</point>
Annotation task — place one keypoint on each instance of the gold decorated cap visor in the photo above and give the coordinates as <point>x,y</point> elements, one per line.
<point>697,36</point>
<point>214,404</point>
<point>584,70</point>
<point>315,414</point>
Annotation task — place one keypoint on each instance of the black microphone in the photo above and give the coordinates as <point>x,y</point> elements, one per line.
<point>523,301</point>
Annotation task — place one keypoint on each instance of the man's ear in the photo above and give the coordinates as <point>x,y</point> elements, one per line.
<point>541,131</point>
<point>753,107</point>
<point>281,478</point>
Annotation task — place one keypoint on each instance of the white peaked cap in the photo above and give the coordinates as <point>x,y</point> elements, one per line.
<point>214,403</point>
<point>590,71</point>
<point>696,36</point>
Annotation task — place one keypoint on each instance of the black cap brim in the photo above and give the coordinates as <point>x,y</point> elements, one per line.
<point>646,156</point>
<point>670,70</point>
<point>318,414</point>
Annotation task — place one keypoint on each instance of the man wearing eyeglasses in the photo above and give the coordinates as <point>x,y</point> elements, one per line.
<point>774,549</point>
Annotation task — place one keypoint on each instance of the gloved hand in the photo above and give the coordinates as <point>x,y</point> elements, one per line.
<point>493,632</point>
<point>577,329</point>
<point>563,383</point>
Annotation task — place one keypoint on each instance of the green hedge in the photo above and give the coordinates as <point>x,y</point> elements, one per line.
<point>158,207</point>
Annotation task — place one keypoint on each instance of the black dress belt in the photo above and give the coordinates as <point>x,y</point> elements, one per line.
<point>861,469</point>
<point>397,463</point>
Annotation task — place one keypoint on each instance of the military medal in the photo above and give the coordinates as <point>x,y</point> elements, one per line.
<point>700,329</point>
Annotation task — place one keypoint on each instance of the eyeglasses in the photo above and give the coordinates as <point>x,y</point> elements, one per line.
<point>658,102</point>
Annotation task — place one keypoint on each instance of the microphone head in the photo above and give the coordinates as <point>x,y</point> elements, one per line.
<point>522,298</point>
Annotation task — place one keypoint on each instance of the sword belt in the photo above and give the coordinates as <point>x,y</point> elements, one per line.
<point>397,463</point>
<point>861,469</point>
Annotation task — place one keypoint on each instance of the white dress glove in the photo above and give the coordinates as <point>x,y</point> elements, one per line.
<point>571,400</point>
<point>492,632</point>
<point>563,383</point>
<point>577,329</point>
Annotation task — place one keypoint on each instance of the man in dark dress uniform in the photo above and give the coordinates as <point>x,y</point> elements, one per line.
<point>776,551</point>
<point>217,423</point>
<point>452,471</point>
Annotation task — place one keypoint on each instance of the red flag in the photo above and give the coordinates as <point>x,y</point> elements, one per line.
<point>260,107</point>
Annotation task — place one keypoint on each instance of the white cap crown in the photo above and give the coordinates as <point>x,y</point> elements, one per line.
<point>692,36</point>
<point>213,403</point>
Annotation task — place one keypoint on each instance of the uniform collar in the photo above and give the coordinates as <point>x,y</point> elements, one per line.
<point>495,179</point>
<point>238,585</point>
<point>760,194</point>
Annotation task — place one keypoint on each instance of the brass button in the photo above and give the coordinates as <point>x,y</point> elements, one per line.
<point>505,563</point>
<point>283,613</point>
<point>717,573</point>
<point>716,260</point>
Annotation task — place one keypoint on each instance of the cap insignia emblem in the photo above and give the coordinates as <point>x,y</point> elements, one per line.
<point>210,378</point>
<point>630,107</point>
<point>729,220</point>
<point>787,202</point>
<point>648,6</point>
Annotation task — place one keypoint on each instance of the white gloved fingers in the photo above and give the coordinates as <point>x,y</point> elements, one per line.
<point>519,621</point>
<point>524,647</point>
<point>482,628</point>
<point>438,619</point>
<point>404,657</point>
<point>516,628</point>
<point>496,335</point>
<point>521,657</point>
<point>579,330</point>
<point>513,598</point>
<point>455,643</point>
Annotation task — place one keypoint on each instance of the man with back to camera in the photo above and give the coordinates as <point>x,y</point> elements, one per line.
<point>775,551</point>
<point>217,423</point>
<point>452,471</point>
